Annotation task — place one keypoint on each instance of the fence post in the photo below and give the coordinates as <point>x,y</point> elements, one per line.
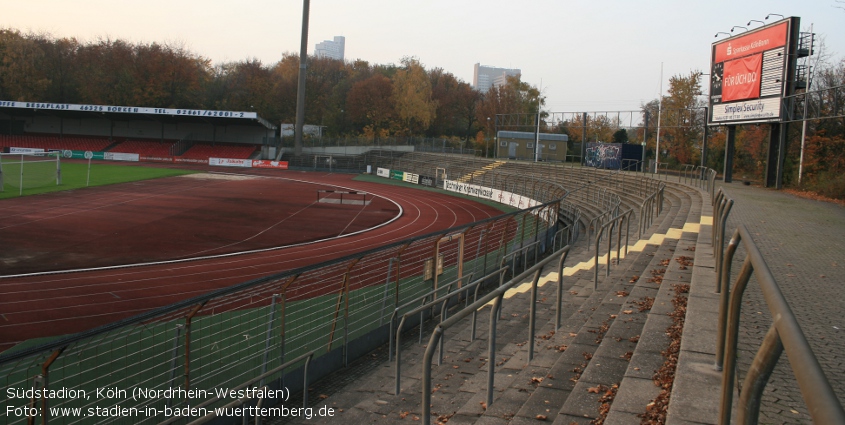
<point>173,359</point>
<point>45,370</point>
<point>188,343</point>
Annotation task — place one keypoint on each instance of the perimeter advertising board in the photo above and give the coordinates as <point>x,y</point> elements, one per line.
<point>747,74</point>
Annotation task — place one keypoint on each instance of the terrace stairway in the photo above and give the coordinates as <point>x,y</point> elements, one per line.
<point>609,342</point>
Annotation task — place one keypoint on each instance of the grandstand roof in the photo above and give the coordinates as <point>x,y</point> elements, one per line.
<point>133,113</point>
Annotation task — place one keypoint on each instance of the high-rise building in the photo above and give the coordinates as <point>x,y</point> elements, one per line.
<point>331,49</point>
<point>484,77</point>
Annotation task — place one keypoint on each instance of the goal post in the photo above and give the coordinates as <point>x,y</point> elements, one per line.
<point>30,170</point>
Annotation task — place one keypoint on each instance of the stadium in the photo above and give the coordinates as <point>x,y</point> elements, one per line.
<point>184,266</point>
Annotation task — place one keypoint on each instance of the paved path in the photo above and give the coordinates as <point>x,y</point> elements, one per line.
<point>803,242</point>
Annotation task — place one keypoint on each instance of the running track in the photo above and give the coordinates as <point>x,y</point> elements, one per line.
<point>59,304</point>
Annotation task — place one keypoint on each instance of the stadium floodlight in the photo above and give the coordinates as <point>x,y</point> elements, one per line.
<point>26,170</point>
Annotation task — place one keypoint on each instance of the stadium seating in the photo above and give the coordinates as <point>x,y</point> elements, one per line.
<point>48,142</point>
<point>145,148</point>
<point>219,150</point>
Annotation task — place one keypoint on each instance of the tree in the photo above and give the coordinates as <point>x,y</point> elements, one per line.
<point>370,103</point>
<point>412,97</point>
<point>22,66</point>
<point>620,136</point>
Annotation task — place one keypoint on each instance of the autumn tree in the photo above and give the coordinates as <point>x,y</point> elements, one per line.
<point>415,108</point>
<point>22,66</point>
<point>370,103</point>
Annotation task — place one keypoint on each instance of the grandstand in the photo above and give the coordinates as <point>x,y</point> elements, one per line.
<point>149,132</point>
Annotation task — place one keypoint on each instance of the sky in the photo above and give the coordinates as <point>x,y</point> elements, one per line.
<point>595,55</point>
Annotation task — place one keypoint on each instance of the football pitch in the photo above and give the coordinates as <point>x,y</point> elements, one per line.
<point>75,175</point>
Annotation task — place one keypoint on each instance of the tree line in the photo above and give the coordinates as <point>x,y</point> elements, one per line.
<point>354,98</point>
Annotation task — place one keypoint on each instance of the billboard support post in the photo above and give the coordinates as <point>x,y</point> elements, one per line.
<point>730,143</point>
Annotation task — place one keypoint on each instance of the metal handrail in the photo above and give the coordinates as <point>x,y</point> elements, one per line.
<point>307,357</point>
<point>442,301</point>
<point>626,217</point>
<point>723,205</point>
<point>784,335</point>
<point>649,206</point>
<point>419,299</point>
<point>497,295</point>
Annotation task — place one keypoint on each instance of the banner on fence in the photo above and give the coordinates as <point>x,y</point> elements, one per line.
<point>105,156</point>
<point>427,181</point>
<point>412,178</point>
<point>230,162</point>
<point>383,172</point>
<point>26,150</point>
<point>397,175</point>
<point>258,163</point>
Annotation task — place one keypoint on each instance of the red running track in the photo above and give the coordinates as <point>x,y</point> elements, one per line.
<point>58,304</point>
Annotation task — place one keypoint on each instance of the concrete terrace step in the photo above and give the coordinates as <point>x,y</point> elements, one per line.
<point>590,359</point>
<point>556,384</point>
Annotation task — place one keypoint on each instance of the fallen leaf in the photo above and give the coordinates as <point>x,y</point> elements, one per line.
<point>541,417</point>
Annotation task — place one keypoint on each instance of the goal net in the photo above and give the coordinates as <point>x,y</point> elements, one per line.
<point>29,170</point>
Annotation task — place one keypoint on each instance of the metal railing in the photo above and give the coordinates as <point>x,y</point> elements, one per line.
<point>496,296</point>
<point>722,205</point>
<point>609,227</point>
<point>784,335</point>
<point>650,208</point>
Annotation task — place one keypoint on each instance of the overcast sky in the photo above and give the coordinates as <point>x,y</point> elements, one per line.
<point>594,55</point>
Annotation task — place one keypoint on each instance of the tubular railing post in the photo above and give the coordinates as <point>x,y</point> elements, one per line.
<point>757,377</point>
<point>532,311</point>
<point>720,237</point>
<point>560,267</point>
<point>268,335</point>
<point>45,375</point>
<point>386,289</point>
<point>173,360</point>
<point>426,378</point>
<point>491,348</point>
<point>724,298</point>
<point>612,224</point>
<point>188,343</point>
<point>729,371</point>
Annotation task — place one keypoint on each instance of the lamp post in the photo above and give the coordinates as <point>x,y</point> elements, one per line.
<point>487,139</point>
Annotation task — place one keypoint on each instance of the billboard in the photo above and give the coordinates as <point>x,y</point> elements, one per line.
<point>748,74</point>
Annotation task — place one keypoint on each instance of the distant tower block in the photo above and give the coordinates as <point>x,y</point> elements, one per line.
<point>484,77</point>
<point>331,49</point>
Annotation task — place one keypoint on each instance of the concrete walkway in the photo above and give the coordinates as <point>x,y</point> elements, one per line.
<point>803,243</point>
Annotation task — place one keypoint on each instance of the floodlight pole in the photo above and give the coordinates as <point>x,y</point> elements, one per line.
<point>659,109</point>
<point>300,92</point>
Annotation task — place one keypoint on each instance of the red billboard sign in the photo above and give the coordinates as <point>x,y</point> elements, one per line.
<point>748,74</point>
